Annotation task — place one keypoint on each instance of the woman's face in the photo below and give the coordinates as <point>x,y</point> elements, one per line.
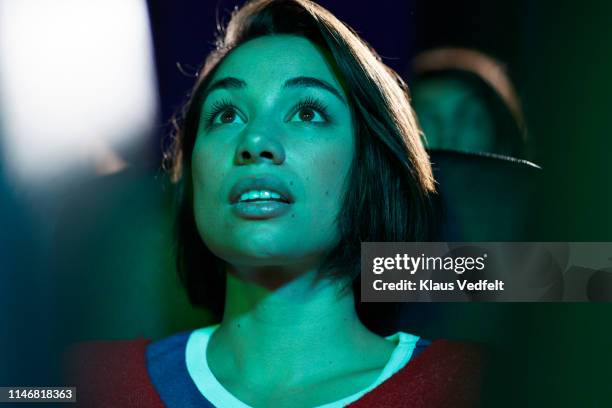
<point>274,146</point>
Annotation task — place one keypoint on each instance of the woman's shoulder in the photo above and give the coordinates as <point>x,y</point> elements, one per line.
<point>444,374</point>
<point>116,373</point>
<point>110,373</point>
<point>116,357</point>
<point>126,354</point>
<point>167,346</point>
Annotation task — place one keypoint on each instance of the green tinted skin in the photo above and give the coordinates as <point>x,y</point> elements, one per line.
<point>453,116</point>
<point>286,339</point>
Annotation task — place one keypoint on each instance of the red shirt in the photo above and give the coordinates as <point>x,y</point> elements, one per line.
<point>445,374</point>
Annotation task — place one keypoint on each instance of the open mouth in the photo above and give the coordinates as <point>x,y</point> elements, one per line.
<point>264,188</point>
<point>261,196</point>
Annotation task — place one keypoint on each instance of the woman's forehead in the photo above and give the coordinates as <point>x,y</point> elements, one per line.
<point>268,62</point>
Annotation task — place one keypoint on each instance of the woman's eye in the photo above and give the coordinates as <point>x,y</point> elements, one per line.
<point>307,115</point>
<point>227,116</point>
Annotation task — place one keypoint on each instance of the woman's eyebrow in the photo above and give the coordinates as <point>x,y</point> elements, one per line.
<point>297,82</point>
<point>224,83</point>
<point>310,82</point>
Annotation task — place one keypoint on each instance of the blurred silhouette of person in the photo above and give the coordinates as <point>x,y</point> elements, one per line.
<point>111,249</point>
<point>465,101</point>
<point>26,288</point>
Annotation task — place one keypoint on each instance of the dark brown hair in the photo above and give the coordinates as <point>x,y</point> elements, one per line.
<point>390,180</point>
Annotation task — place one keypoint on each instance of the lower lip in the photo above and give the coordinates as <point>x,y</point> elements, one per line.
<point>260,210</point>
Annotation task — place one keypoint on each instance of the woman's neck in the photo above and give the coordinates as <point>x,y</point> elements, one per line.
<point>297,333</point>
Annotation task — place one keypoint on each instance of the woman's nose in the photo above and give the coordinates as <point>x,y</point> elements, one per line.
<point>256,147</point>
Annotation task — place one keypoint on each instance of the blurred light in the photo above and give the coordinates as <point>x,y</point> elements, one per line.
<point>74,76</point>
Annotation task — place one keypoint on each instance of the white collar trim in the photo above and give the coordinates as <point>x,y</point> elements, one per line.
<point>213,391</point>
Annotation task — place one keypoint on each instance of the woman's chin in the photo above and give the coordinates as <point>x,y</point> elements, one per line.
<point>275,257</point>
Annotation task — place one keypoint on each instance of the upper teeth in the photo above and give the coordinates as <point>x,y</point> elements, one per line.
<point>259,195</point>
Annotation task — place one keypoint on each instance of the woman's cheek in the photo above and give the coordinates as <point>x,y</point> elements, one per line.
<point>207,166</point>
<point>331,171</point>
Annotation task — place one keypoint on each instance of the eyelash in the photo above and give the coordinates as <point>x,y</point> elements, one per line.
<point>216,109</point>
<point>308,102</point>
<point>312,103</point>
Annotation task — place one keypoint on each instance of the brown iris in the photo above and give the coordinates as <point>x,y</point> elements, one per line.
<point>306,114</point>
<point>228,116</point>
